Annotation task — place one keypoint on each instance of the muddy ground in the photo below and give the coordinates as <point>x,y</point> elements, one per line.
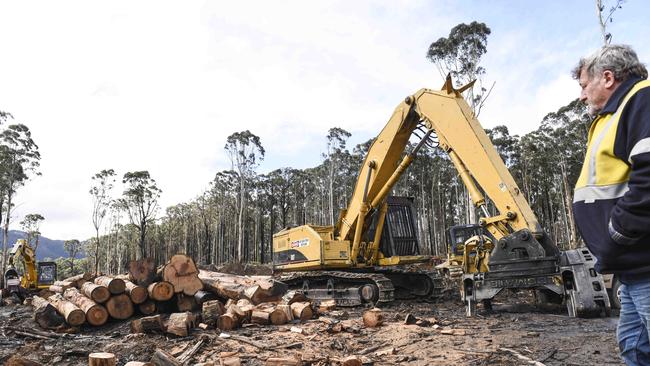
<point>515,328</point>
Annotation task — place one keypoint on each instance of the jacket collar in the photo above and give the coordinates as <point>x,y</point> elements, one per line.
<point>617,97</point>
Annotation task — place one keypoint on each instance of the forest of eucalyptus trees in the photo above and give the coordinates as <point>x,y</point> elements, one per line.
<point>235,221</point>
<point>235,218</point>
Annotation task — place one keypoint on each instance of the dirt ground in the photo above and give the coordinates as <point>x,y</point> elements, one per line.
<point>445,336</point>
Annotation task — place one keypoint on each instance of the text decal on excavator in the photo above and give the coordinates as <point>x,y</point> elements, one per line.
<point>520,282</point>
<point>299,243</point>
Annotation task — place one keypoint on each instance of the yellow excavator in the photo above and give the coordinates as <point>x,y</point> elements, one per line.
<point>36,275</point>
<point>360,260</point>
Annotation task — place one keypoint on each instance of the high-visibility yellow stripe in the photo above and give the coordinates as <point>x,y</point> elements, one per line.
<point>590,194</point>
<point>603,174</point>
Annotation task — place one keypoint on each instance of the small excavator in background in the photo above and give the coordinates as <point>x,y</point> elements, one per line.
<point>36,275</point>
<point>361,259</point>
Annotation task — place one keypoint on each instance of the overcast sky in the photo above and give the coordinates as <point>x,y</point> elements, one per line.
<point>159,85</point>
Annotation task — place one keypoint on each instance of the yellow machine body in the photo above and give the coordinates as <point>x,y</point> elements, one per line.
<point>29,279</point>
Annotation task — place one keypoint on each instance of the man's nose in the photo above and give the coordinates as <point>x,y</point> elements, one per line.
<point>583,96</point>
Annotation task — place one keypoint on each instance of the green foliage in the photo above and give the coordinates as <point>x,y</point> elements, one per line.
<point>140,202</point>
<point>459,55</point>
<point>100,190</point>
<point>74,248</point>
<point>31,225</point>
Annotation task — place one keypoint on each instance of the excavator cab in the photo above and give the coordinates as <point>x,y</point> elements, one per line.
<point>37,275</point>
<point>399,236</point>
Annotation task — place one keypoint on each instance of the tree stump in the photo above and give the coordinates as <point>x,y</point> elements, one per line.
<point>97,293</point>
<point>147,308</point>
<point>302,311</point>
<point>95,314</point>
<point>116,286</point>
<point>45,314</point>
<point>71,313</point>
<point>120,307</point>
<point>373,318</point>
<point>147,324</point>
<point>211,311</point>
<point>182,273</point>
<point>142,272</point>
<point>138,294</point>
<point>161,291</point>
<point>180,323</point>
<point>101,359</point>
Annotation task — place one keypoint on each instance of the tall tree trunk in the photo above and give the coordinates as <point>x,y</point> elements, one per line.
<point>5,235</point>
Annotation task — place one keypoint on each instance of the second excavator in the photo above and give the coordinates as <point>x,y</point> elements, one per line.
<point>361,259</point>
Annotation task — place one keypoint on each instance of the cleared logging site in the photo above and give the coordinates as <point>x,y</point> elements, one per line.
<point>178,314</point>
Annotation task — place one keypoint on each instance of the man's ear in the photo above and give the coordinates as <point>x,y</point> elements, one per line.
<point>609,79</point>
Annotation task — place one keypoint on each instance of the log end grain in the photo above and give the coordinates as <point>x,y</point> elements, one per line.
<point>101,359</point>
<point>120,307</point>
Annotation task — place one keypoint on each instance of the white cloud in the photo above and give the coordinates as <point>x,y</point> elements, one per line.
<point>159,86</point>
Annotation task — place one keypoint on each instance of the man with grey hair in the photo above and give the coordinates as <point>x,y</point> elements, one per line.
<point>612,195</point>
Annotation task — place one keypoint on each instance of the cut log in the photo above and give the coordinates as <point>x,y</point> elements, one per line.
<point>80,279</point>
<point>45,314</point>
<point>64,284</point>
<point>147,324</point>
<point>120,307</point>
<point>202,296</point>
<point>180,323</point>
<point>97,293</point>
<point>56,289</point>
<point>302,311</point>
<point>293,296</point>
<point>147,308</point>
<point>245,307</point>
<point>115,285</point>
<point>211,311</point>
<point>241,314</point>
<point>260,317</point>
<point>95,314</point>
<point>101,359</point>
<point>182,273</point>
<point>185,302</point>
<point>71,313</point>
<point>138,294</point>
<point>326,306</point>
<point>258,289</point>
<point>281,315</point>
<point>142,272</point>
<point>138,363</point>
<point>161,291</point>
<point>227,321</point>
<point>162,358</point>
<point>373,318</point>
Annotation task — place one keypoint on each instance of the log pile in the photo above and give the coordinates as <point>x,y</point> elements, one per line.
<point>191,297</point>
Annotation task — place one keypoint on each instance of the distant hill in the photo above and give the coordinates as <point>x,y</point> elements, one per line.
<point>47,248</point>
